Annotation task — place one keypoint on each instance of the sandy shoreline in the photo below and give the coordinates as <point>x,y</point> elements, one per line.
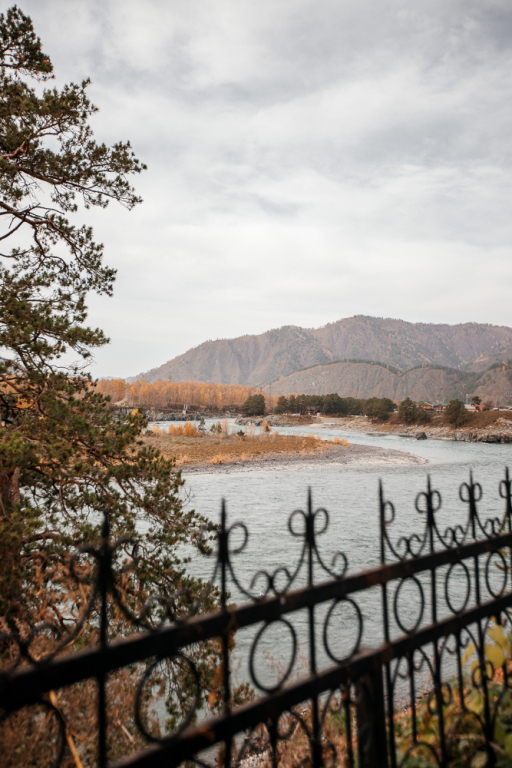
<point>338,455</point>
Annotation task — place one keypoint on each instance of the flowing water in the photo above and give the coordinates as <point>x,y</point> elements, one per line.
<point>263,500</point>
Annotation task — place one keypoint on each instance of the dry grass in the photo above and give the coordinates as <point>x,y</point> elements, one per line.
<point>476,420</point>
<point>188,429</point>
<point>225,448</point>
<point>486,418</point>
<point>293,745</point>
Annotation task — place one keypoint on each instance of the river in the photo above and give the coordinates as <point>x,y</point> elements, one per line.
<point>264,499</point>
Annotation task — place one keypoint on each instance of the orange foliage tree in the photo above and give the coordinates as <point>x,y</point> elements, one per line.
<point>175,394</point>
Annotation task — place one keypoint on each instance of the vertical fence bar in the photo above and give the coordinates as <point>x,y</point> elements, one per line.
<point>310,539</point>
<point>473,514</point>
<point>104,567</point>
<point>273,739</point>
<point>385,621</point>
<point>412,693</point>
<point>348,724</point>
<point>506,484</point>
<point>371,718</point>
<point>506,493</point>
<point>460,677</point>
<point>224,557</point>
<point>438,682</point>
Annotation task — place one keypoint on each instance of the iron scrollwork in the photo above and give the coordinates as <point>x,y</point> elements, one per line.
<point>446,662</point>
<point>465,577</point>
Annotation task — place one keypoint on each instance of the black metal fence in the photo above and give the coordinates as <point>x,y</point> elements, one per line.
<point>435,689</point>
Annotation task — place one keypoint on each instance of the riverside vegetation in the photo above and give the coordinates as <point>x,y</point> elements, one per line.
<point>193,445</point>
<point>197,395</point>
<point>462,722</point>
<point>455,423</point>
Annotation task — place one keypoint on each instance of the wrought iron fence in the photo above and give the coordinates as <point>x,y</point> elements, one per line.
<point>359,705</point>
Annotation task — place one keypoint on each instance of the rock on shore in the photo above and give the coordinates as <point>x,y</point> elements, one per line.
<point>275,421</point>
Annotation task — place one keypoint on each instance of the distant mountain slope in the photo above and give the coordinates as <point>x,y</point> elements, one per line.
<point>246,360</point>
<point>257,360</point>
<point>471,346</point>
<point>363,380</point>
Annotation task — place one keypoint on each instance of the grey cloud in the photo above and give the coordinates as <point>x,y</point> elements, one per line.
<point>307,160</point>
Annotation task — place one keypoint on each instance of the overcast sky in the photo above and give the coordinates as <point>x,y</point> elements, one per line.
<point>308,160</point>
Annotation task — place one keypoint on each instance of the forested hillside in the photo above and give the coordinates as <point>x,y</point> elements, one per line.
<point>430,383</point>
<point>259,360</point>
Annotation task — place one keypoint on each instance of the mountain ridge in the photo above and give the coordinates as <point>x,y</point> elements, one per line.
<point>260,359</point>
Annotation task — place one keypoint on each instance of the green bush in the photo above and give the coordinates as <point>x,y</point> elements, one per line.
<point>254,406</point>
<point>456,413</point>
<point>408,411</point>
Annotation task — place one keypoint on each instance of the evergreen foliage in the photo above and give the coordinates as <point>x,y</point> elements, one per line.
<point>411,413</point>
<point>65,460</point>
<point>456,413</point>
<point>254,406</point>
<point>375,407</point>
<point>408,411</point>
<point>379,408</point>
<point>282,405</point>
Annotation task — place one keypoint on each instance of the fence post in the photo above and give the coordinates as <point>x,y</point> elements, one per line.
<point>371,718</point>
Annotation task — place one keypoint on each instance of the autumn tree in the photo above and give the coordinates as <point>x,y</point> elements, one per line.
<point>171,394</point>
<point>64,461</point>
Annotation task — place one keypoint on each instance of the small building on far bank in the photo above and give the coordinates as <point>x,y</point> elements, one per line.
<point>434,407</point>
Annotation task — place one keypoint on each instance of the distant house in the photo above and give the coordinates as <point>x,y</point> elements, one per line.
<point>434,407</point>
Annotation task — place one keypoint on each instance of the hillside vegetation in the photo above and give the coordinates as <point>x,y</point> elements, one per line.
<point>358,380</point>
<point>364,380</point>
<point>258,360</point>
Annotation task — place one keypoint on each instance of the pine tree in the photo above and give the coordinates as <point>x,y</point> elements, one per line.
<point>408,411</point>
<point>65,460</point>
<point>254,406</point>
<point>456,413</point>
<point>282,406</point>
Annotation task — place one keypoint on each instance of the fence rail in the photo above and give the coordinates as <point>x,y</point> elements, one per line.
<point>381,715</point>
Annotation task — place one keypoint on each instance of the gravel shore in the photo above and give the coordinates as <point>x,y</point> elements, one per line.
<point>499,432</point>
<point>337,455</point>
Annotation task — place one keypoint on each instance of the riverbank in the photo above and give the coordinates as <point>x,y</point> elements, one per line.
<point>281,420</point>
<point>500,431</point>
<point>272,451</point>
<point>351,456</point>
